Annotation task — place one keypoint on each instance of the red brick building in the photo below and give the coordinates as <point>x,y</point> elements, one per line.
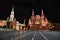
<point>13,25</point>
<point>37,22</point>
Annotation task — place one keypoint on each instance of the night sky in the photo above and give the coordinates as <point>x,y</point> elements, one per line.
<point>23,9</point>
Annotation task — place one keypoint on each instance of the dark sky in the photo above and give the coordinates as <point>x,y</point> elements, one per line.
<point>23,9</point>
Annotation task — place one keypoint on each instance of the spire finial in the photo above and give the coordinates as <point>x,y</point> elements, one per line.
<point>12,12</point>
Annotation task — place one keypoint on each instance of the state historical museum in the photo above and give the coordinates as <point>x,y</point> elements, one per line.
<point>39,22</point>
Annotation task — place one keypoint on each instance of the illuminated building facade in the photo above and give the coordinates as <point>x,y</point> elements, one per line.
<point>12,22</point>
<point>3,23</point>
<point>38,22</point>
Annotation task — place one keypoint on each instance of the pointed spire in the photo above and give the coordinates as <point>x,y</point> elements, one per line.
<point>13,8</point>
<point>42,15</point>
<point>7,18</point>
<point>42,11</point>
<point>32,12</point>
<point>24,21</point>
<point>46,20</point>
<point>12,12</point>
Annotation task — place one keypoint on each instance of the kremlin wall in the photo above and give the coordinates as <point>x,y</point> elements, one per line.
<point>35,22</point>
<point>3,23</point>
